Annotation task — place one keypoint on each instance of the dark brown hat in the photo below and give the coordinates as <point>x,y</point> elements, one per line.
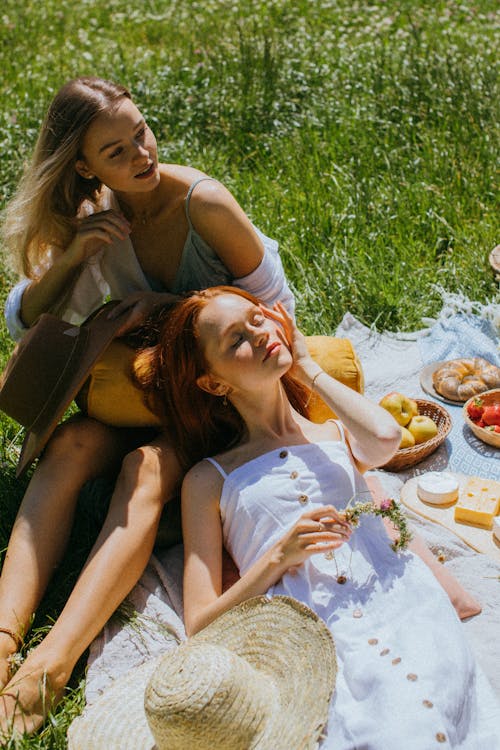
<point>47,369</point>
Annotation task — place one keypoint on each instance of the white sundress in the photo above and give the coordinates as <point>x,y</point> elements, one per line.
<point>407,679</point>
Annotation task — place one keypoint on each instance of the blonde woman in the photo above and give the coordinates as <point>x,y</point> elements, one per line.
<point>97,216</point>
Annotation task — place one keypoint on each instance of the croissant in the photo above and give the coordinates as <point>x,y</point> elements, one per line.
<point>459,379</point>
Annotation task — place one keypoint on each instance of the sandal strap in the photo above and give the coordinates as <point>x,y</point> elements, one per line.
<point>18,640</point>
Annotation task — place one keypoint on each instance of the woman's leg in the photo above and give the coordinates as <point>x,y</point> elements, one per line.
<point>149,477</point>
<point>79,450</point>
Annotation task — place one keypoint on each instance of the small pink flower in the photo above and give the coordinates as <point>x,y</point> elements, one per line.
<point>386,504</point>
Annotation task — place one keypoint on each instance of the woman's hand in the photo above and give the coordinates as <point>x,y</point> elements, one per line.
<point>316,531</point>
<point>93,232</point>
<point>303,364</point>
<point>139,306</point>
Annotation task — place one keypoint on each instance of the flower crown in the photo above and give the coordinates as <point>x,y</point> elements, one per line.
<point>388,508</point>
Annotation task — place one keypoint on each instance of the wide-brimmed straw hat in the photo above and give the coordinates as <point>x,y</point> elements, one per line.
<point>47,369</point>
<point>260,677</point>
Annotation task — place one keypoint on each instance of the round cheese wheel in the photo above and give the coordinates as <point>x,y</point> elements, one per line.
<point>437,487</point>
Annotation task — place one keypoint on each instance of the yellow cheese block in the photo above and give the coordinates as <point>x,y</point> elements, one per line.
<point>478,502</point>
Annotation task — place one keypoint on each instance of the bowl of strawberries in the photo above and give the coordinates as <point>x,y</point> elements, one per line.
<point>482,414</point>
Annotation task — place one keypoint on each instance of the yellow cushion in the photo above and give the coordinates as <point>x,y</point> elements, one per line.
<point>338,358</point>
<point>111,396</point>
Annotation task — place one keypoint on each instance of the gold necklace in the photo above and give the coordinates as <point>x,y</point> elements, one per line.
<point>142,217</point>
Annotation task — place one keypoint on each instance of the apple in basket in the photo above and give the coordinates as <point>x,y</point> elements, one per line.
<point>407,439</point>
<point>400,406</point>
<point>422,428</point>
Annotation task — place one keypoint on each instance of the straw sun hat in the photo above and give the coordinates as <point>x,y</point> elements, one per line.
<point>260,677</point>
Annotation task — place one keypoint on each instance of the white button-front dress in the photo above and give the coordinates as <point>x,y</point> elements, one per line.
<point>407,679</point>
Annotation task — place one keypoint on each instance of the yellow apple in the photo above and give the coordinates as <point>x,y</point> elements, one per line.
<point>407,439</point>
<point>422,428</point>
<point>401,407</point>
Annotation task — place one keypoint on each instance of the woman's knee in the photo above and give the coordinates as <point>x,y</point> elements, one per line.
<point>81,440</point>
<point>151,473</point>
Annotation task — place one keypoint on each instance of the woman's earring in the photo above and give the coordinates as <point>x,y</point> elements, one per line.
<point>224,400</point>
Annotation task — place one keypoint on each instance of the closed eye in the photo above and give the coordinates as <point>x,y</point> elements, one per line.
<point>237,339</point>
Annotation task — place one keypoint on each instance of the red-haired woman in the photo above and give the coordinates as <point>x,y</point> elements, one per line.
<point>233,374</point>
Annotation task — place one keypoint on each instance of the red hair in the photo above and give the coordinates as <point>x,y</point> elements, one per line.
<point>198,422</point>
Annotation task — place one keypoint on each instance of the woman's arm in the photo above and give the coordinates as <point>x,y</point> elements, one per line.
<point>253,260</point>
<point>93,232</point>
<point>223,224</point>
<point>373,434</point>
<point>316,532</point>
<point>464,603</point>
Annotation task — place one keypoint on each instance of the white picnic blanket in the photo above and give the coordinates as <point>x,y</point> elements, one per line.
<point>150,621</point>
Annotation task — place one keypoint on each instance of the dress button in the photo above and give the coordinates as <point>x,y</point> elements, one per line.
<point>441,737</point>
<point>303,499</point>
<point>283,454</point>
<point>357,614</point>
<point>294,475</point>
<point>396,660</point>
<point>373,641</point>
<point>384,652</point>
<point>428,704</point>
<point>412,677</point>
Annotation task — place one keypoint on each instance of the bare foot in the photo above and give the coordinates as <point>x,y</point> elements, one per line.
<point>7,648</point>
<point>30,695</point>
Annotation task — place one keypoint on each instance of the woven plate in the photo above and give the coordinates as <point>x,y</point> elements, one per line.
<point>428,385</point>
<point>487,397</point>
<point>405,457</point>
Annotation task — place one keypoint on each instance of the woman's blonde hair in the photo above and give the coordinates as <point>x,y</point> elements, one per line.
<point>42,213</point>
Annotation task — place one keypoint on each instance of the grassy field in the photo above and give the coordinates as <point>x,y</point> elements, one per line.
<point>362,136</point>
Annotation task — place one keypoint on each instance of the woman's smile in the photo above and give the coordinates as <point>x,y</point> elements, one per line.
<point>147,172</point>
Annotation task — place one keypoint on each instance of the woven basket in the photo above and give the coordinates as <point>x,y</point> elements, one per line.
<point>487,397</point>
<point>405,457</point>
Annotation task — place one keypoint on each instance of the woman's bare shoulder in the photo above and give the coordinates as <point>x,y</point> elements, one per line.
<point>180,174</point>
<point>203,480</point>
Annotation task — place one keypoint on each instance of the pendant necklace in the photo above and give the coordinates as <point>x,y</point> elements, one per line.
<point>341,577</point>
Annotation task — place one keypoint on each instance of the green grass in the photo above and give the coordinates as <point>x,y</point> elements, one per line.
<point>362,136</point>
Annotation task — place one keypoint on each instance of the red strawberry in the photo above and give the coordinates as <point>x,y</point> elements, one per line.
<point>475,409</point>
<point>481,423</point>
<point>491,414</point>
<point>493,428</point>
